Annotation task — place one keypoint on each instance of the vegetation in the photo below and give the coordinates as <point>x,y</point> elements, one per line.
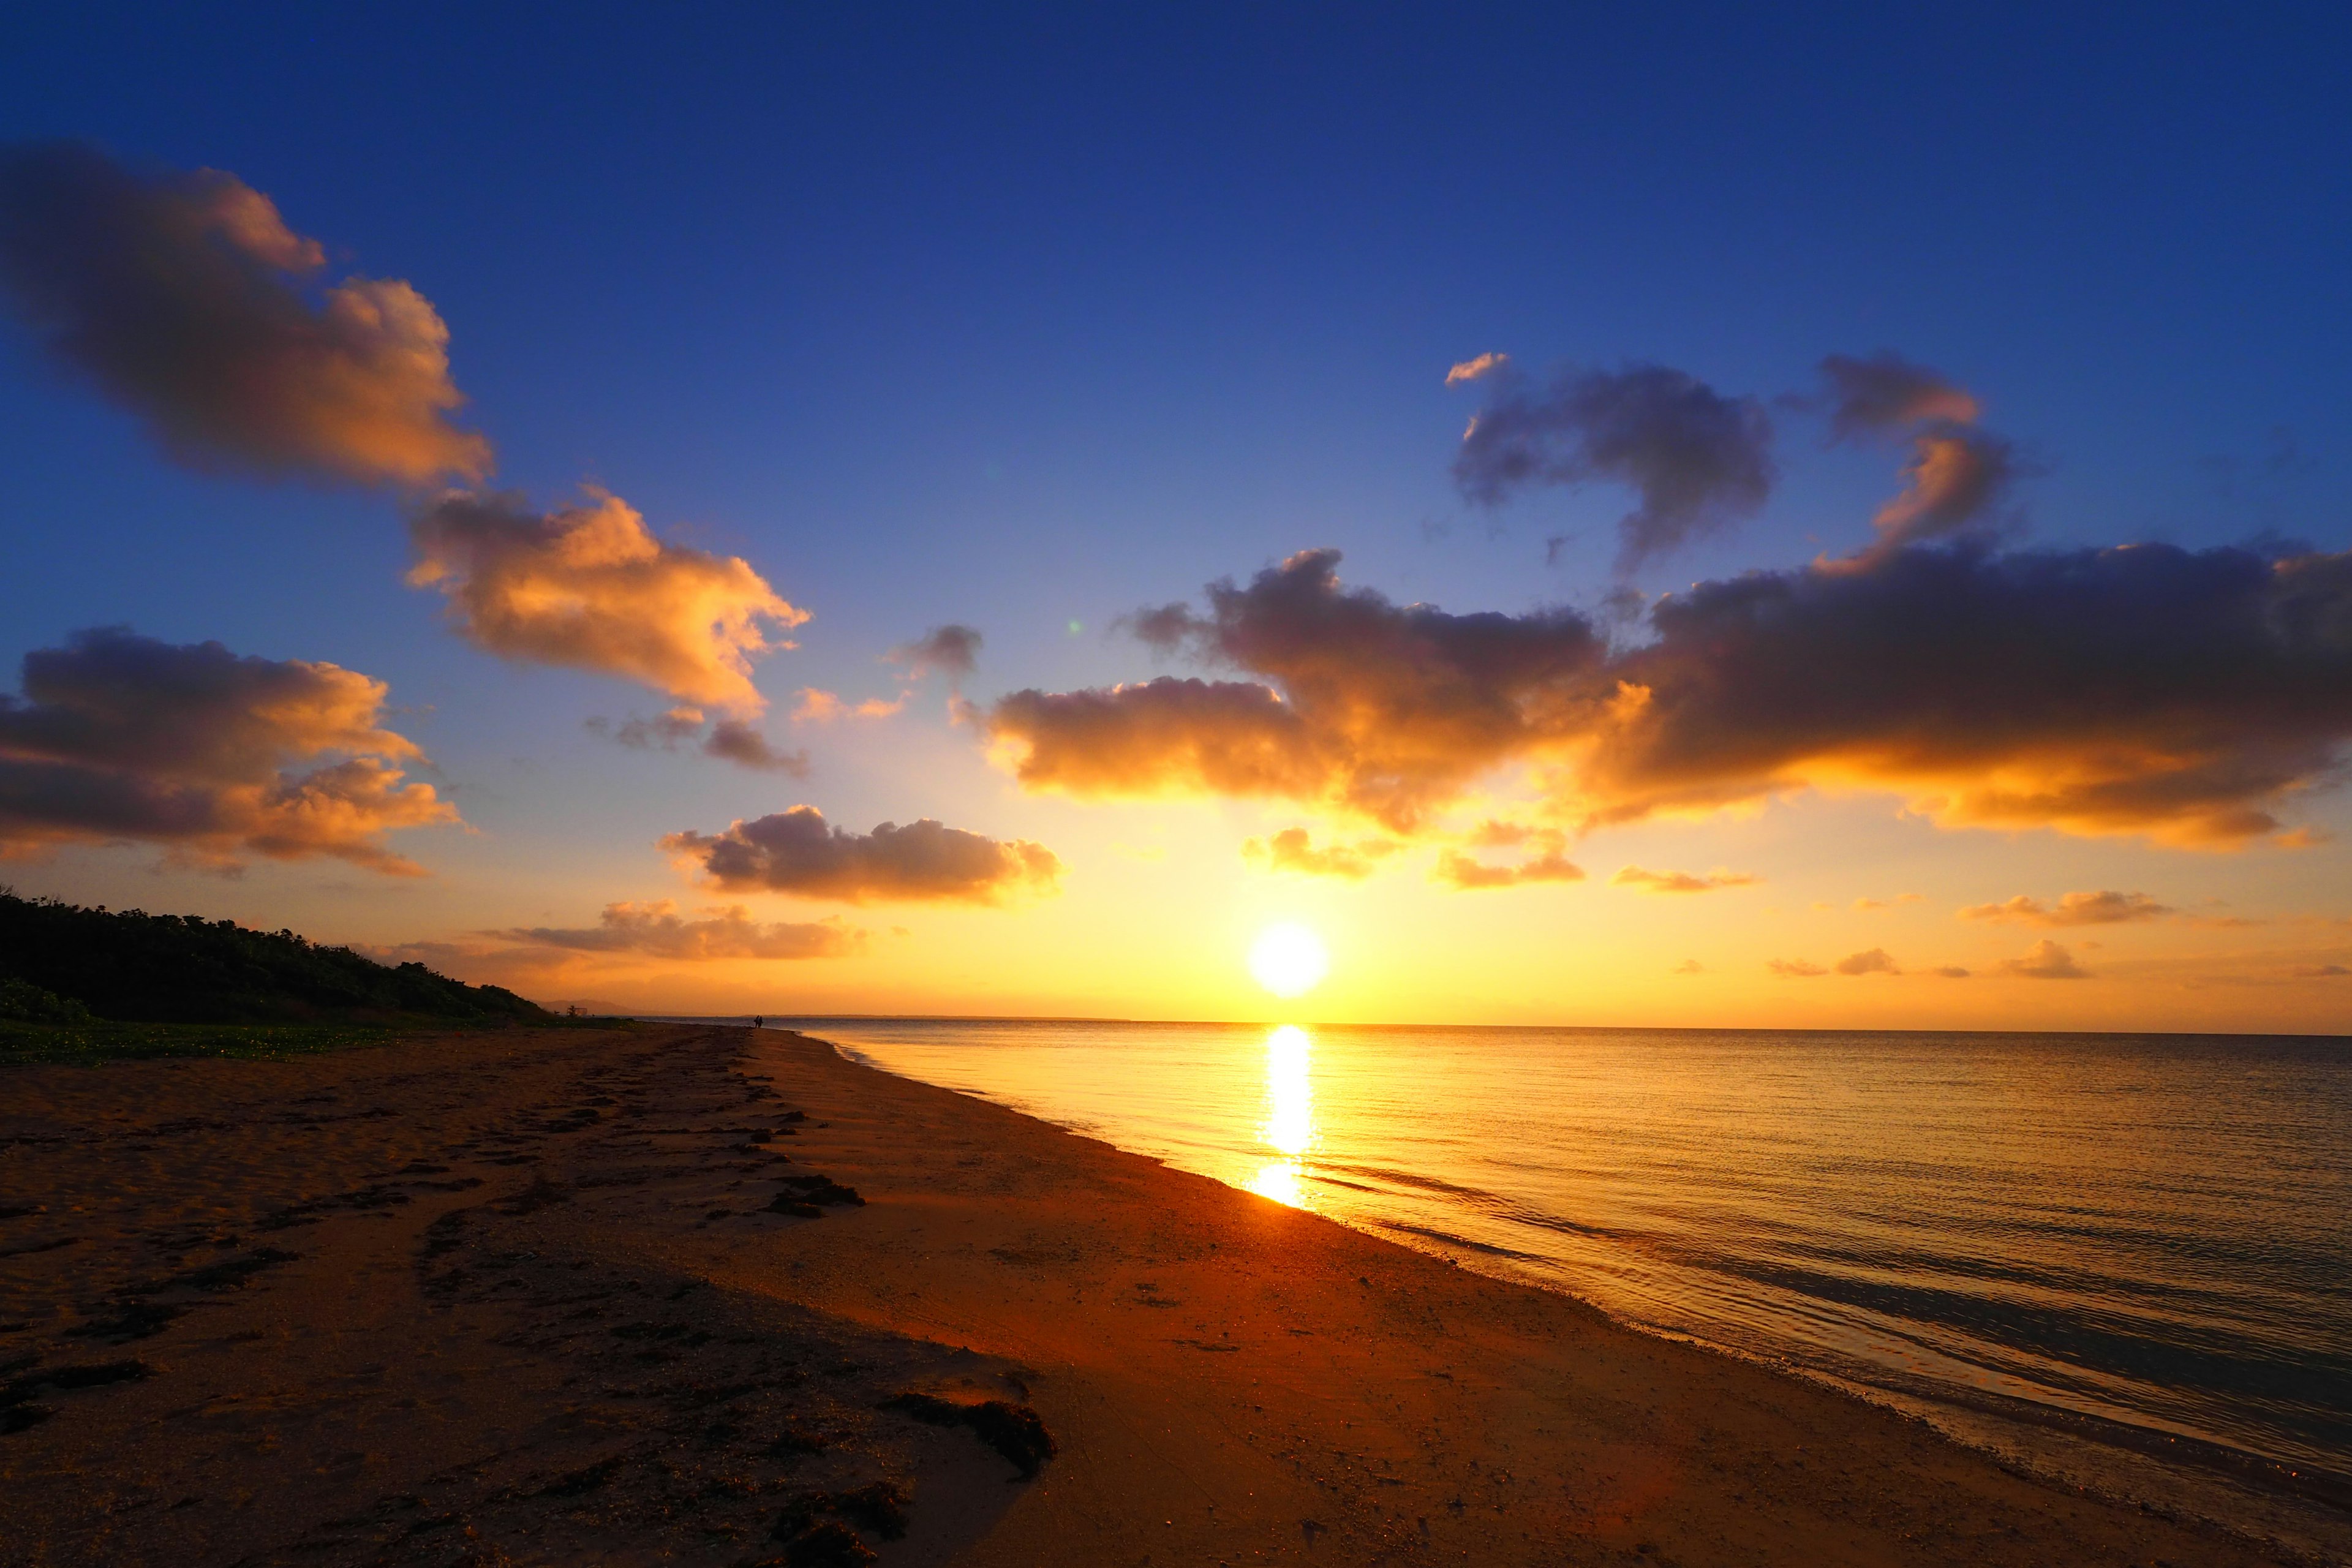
<point>63,966</point>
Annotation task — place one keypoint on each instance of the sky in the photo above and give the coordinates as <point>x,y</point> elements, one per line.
<point>1697,518</point>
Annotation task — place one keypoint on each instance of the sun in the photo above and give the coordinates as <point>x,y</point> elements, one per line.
<point>1288,960</point>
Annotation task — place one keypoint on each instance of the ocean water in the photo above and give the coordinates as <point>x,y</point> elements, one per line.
<point>2145,1238</point>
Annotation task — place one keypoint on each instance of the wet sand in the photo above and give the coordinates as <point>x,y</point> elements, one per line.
<point>599,1297</point>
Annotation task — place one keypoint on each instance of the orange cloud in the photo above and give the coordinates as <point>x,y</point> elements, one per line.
<point>2045,960</point>
<point>1681,881</point>
<point>1292,851</point>
<point>2146,690</point>
<point>122,739</point>
<point>794,852</point>
<point>1875,962</point>
<point>182,297</point>
<point>1472,368</point>
<point>592,588</point>
<point>823,707</point>
<point>2072,910</point>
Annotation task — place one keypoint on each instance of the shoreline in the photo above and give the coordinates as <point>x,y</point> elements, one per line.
<point>619,1350</point>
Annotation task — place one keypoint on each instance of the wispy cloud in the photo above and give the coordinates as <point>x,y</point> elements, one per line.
<point>1293,850</point>
<point>1958,472</point>
<point>185,298</point>
<point>656,930</point>
<point>816,707</point>
<point>729,740</point>
<point>2072,909</point>
<point>1681,882</point>
<point>950,651</point>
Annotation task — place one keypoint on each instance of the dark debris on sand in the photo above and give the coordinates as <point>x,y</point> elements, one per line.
<point>1015,1431</point>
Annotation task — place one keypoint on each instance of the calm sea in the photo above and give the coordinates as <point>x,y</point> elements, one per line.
<point>2145,1238</point>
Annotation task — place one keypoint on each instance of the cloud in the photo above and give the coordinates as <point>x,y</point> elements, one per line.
<point>1681,882</point>
<point>1875,962</point>
<point>1949,972</point>
<point>2072,910</point>
<point>817,707</point>
<point>950,651</point>
<point>1292,851</point>
<point>119,738</point>
<point>794,852</point>
<point>655,929</point>
<point>1958,472</point>
<point>2136,690</point>
<point>2141,689</point>
<point>1886,394</point>
<point>1794,969</point>
<point>729,740</point>
<point>1387,711</point>
<point>2045,960</point>
<point>1465,874</point>
<point>186,299</point>
<point>1864,906</point>
<point>1473,369</point>
<point>2318,971</point>
<point>1689,966</point>
<point>1699,461</point>
<point>590,587</point>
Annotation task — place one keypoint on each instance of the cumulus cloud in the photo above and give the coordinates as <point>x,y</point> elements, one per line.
<point>1293,850</point>
<point>729,740</point>
<point>1387,711</point>
<point>2072,909</point>
<point>1875,962</point>
<point>185,298</point>
<point>1949,972</point>
<point>2142,689</point>
<point>656,930</point>
<point>1550,863</point>
<point>950,651</point>
<point>1681,882</point>
<point>794,852</point>
<point>119,738</point>
<point>1698,460</point>
<point>1794,969</point>
<point>2045,960</point>
<point>591,587</point>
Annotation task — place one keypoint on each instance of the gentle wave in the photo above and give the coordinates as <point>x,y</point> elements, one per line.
<point>2148,1233</point>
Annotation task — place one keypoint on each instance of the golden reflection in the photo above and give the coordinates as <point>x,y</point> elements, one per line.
<point>1289,1126</point>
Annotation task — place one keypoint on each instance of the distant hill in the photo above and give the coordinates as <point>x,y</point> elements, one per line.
<point>135,967</point>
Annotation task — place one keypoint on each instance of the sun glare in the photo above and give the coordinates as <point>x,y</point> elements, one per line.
<point>1288,960</point>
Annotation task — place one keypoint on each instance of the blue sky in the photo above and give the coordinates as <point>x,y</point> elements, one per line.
<point>1017,317</point>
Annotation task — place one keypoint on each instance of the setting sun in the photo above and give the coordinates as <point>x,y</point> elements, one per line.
<point>1288,960</point>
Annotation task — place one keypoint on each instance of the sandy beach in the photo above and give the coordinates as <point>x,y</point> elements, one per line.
<point>693,1295</point>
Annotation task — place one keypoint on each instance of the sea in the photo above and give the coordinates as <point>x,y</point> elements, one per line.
<point>2063,1247</point>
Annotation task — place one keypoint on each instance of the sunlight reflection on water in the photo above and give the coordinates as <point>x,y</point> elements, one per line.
<point>1289,1126</point>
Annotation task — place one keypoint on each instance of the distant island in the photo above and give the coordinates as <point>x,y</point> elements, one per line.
<point>62,964</point>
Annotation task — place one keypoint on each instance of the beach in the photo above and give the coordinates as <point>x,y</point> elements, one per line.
<point>692,1294</point>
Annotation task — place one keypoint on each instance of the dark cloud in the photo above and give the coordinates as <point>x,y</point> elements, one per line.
<point>950,651</point>
<point>1949,972</point>
<point>1875,961</point>
<point>794,852</point>
<point>1698,460</point>
<point>1385,709</point>
<point>656,930</point>
<point>729,740</point>
<point>2139,689</point>
<point>119,738</point>
<point>2072,910</point>
<point>1293,850</point>
<point>591,587</point>
<point>2045,960</point>
<point>182,295</point>
<point>1888,394</point>
<point>1681,881</point>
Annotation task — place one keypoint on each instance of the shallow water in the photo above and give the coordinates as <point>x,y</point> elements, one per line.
<point>2146,1230</point>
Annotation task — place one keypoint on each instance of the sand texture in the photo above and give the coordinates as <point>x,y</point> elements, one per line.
<point>581,1297</point>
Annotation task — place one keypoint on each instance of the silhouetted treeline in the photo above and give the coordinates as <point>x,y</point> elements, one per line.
<point>181,969</point>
